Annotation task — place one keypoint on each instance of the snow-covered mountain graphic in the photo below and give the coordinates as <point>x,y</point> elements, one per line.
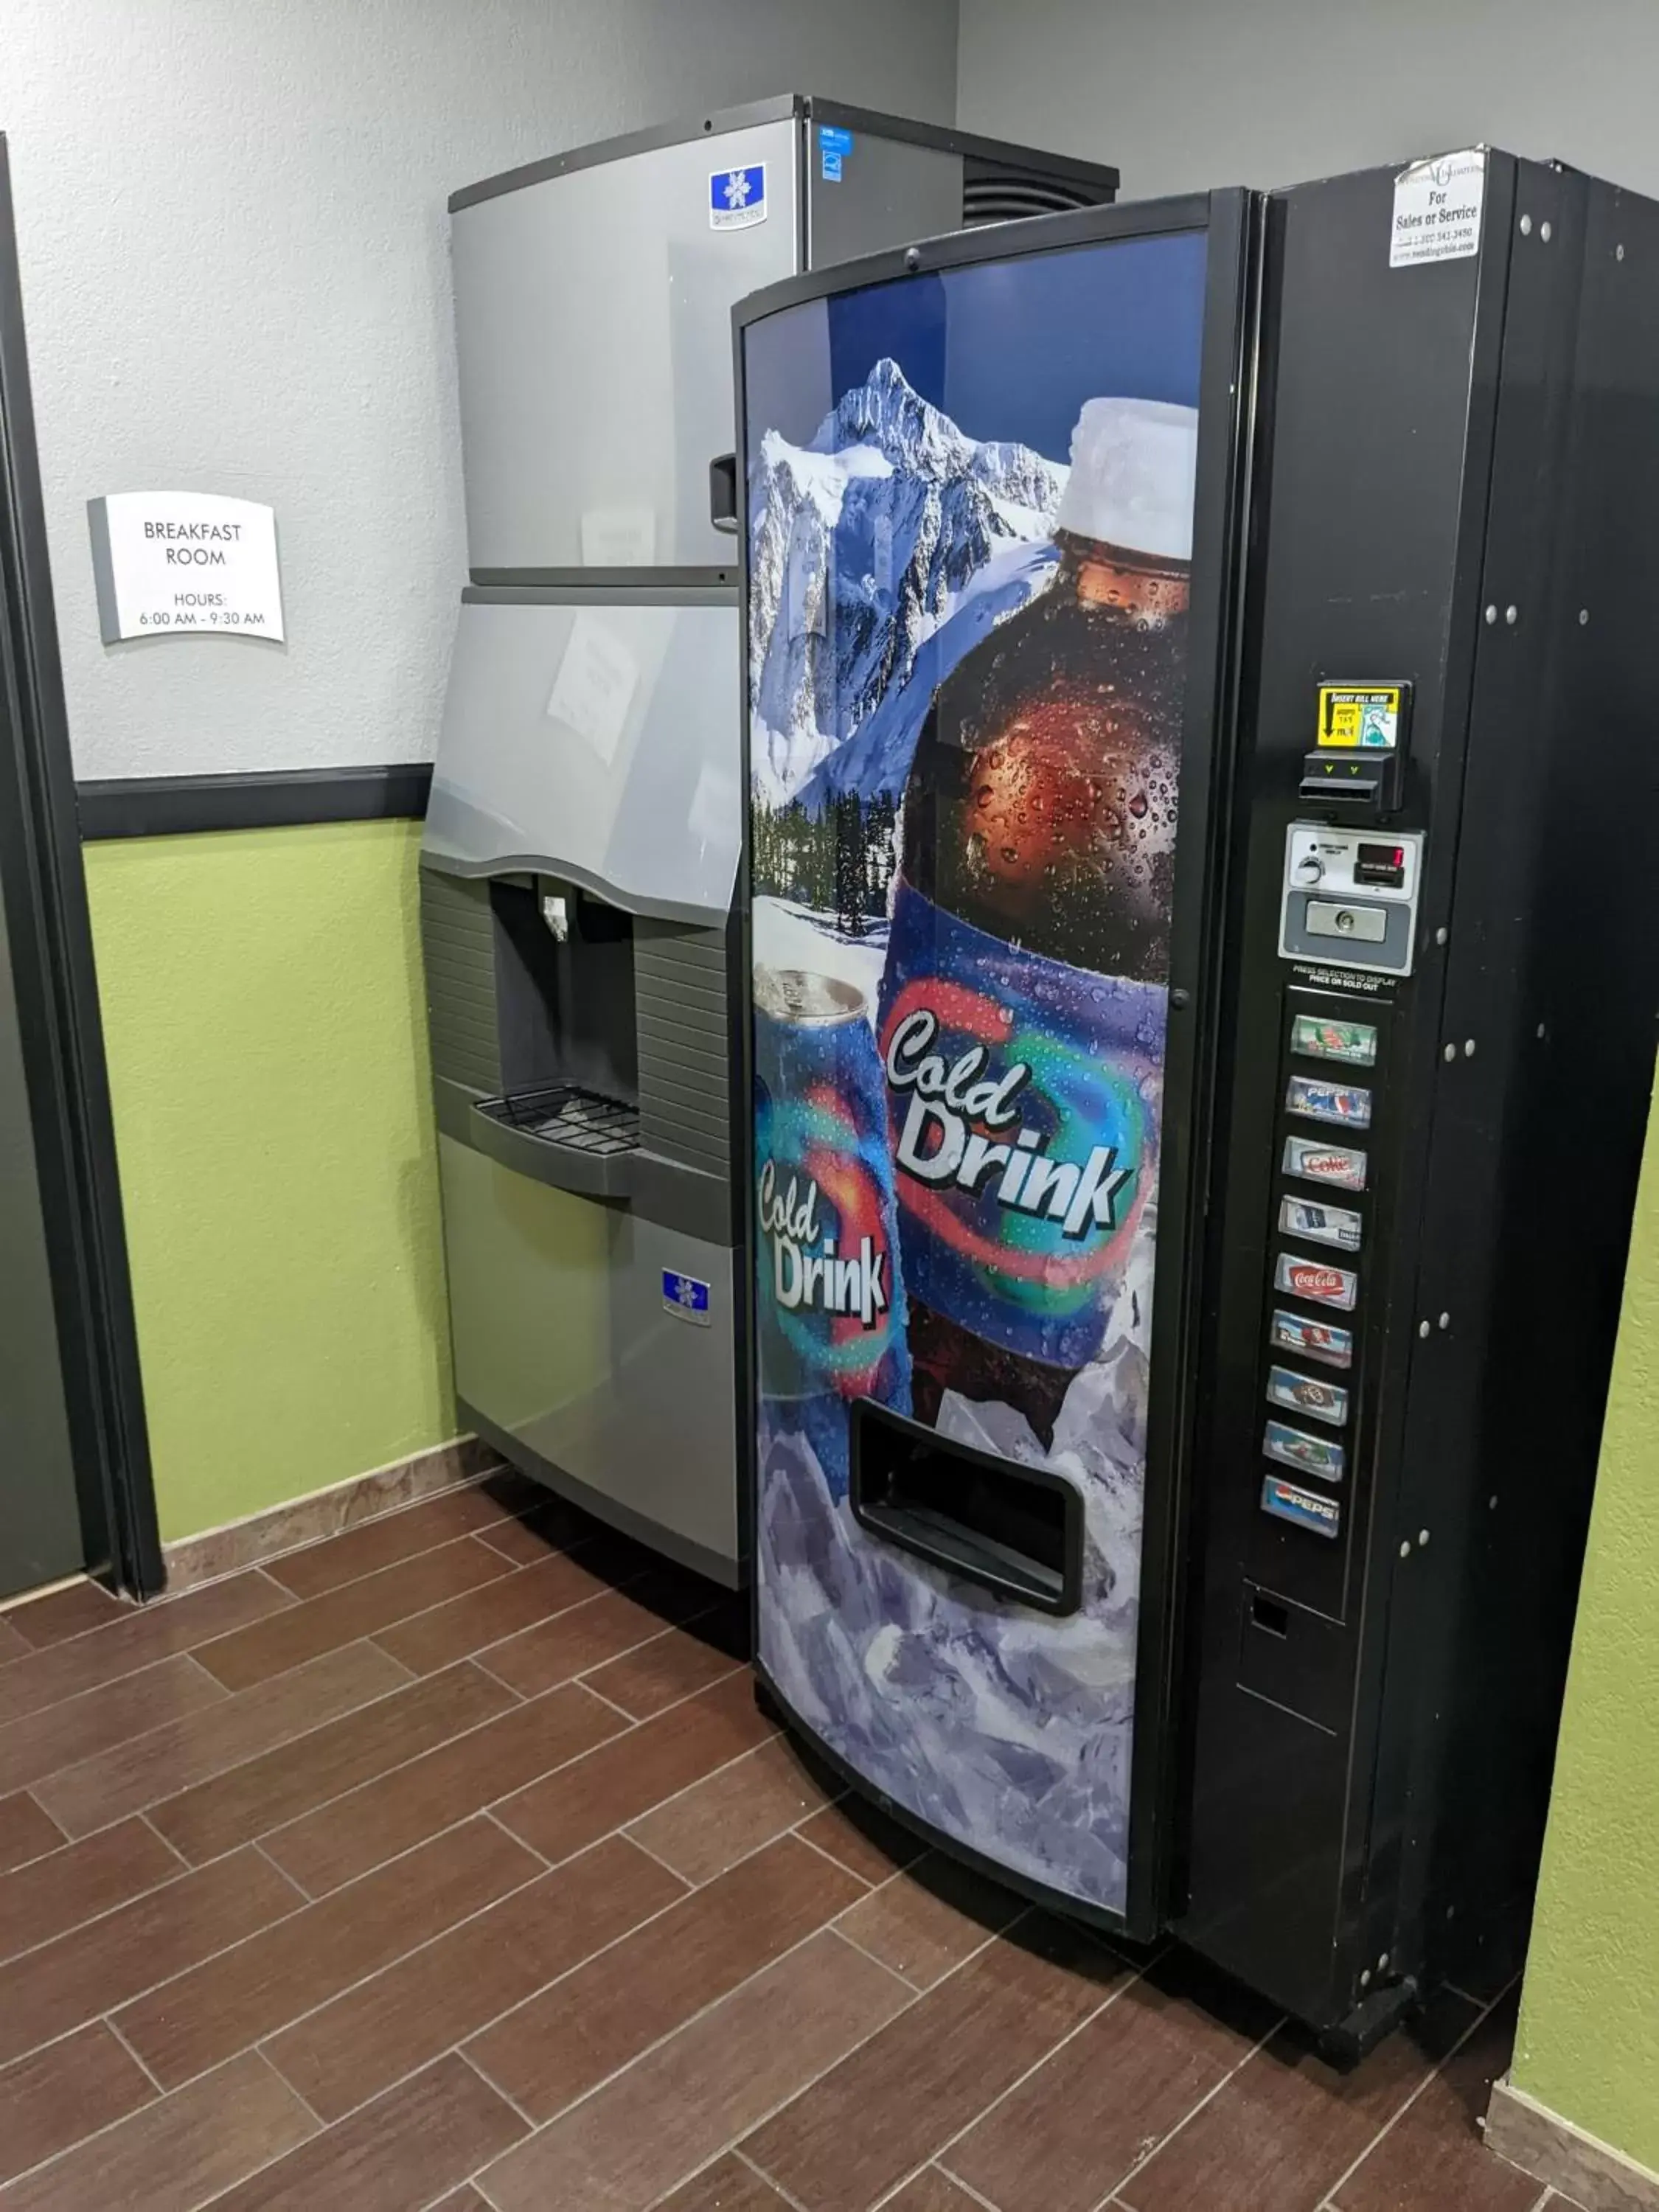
<point>878,553</point>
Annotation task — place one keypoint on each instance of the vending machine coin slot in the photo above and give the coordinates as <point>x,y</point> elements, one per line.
<point>1349,897</point>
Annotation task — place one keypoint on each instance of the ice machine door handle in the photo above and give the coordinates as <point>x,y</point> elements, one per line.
<point>723,492</point>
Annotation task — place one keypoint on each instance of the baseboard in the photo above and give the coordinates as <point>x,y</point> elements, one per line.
<point>1540,2142</point>
<point>322,1513</point>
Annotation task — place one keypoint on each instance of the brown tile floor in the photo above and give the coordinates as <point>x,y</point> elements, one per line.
<point>449,1863</point>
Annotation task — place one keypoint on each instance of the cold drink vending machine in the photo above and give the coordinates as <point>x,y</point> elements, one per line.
<point>1202,821</point>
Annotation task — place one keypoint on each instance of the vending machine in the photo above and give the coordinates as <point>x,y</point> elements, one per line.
<point>1202,824</point>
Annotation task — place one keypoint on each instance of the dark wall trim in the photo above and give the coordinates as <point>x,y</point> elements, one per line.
<point>284,799</point>
<point>57,993</point>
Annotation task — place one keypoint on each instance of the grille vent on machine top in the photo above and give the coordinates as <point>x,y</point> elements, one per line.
<point>993,193</point>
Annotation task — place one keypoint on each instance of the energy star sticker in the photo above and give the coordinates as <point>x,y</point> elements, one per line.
<point>736,189</point>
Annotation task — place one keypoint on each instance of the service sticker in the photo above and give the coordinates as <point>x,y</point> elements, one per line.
<point>1308,1393</point>
<point>1329,1102</point>
<point>1320,1225</point>
<point>1313,1279</point>
<point>1320,1455</point>
<point>1341,1166</point>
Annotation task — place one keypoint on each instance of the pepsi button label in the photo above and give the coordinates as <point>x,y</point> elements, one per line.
<point>1303,1507</point>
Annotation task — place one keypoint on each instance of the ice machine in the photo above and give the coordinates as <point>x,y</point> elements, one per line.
<point>1203,816</point>
<point>582,848</point>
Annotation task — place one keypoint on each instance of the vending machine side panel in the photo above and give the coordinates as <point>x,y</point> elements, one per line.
<point>1377,381</point>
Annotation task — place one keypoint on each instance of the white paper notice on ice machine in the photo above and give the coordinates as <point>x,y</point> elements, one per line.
<point>595,685</point>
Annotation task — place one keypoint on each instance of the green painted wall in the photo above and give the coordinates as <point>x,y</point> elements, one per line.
<point>1588,2042</point>
<point>266,1036</point>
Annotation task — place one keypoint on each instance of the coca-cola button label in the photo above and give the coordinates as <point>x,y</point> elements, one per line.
<point>1312,1278</point>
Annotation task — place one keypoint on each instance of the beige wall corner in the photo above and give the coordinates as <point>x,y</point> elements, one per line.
<point>307,1520</point>
<point>1540,2142</point>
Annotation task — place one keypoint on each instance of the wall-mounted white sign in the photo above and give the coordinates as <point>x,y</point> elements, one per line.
<point>168,562</point>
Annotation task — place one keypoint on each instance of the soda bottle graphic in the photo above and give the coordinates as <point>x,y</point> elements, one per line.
<point>1023,1005</point>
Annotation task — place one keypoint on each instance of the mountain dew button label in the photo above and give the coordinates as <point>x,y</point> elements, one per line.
<point>1315,1037</point>
<point>1320,1455</point>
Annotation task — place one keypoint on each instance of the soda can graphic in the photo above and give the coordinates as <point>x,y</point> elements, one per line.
<point>828,1302</point>
<point>1320,1455</point>
<point>1022,1098</point>
<point>1311,1339</point>
<point>1317,1037</point>
<point>1313,1279</point>
<point>1320,1225</point>
<point>1342,1167</point>
<point>1329,1102</point>
<point>1308,1393</point>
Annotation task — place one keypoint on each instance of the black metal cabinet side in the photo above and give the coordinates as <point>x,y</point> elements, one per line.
<point>1372,485</point>
<point>1552,979</point>
<point>57,1005</point>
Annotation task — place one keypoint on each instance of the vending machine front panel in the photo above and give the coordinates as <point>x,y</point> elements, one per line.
<point>986,532</point>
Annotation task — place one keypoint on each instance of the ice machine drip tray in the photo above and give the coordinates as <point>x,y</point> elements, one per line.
<point>1016,1530</point>
<point>577,1139</point>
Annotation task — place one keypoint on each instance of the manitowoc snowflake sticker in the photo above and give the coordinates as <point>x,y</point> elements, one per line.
<point>736,198</point>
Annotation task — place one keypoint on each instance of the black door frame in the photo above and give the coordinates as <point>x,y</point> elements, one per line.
<point>57,1011</point>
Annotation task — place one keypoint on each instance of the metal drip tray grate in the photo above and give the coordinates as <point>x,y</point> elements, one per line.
<point>579,1121</point>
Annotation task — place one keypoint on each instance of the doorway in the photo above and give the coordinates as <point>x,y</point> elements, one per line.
<point>75,1491</point>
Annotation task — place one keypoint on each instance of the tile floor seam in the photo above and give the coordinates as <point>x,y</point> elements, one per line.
<point>732,2146</point>
<point>430,1751</point>
<point>472,2033</point>
<point>668,2033</point>
<point>173,1882</point>
<point>142,1815</point>
<point>63,1836</point>
<point>656,1861</point>
<point>258,2042</point>
<point>480,1658</point>
<point>107,2019</point>
<point>936,2156</point>
<point>219,1773</point>
<point>454,2050</point>
<point>488,1812</point>
<point>829,1858</point>
<point>206,2203</point>
<point>1327,2202</point>
<point>323,1597</point>
<point>140,1612</point>
<point>632,1719</point>
<point>744,2159</point>
<point>1114,2196</point>
<point>669,1628</point>
<point>966,2187</point>
<point>374,1521</point>
<point>92,1919</point>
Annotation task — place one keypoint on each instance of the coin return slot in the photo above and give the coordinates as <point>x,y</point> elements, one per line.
<point>1016,1530</point>
<point>1268,1614</point>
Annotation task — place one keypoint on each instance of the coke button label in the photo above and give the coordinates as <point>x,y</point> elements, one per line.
<point>1341,1166</point>
<point>1309,1278</point>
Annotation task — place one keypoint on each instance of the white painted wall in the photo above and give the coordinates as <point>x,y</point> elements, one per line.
<point>1184,94</point>
<point>231,220</point>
